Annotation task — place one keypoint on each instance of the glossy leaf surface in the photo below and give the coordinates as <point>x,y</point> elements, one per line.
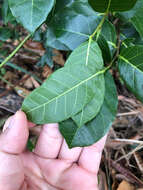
<point>116,5</point>
<point>31,13</point>
<point>95,129</point>
<point>137,21</point>
<point>131,69</point>
<point>107,41</point>
<point>71,25</point>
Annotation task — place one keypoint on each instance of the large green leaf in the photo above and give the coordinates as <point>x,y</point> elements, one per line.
<point>71,25</point>
<point>134,17</point>
<point>131,69</point>
<point>89,54</point>
<point>6,13</point>
<point>99,126</point>
<point>31,13</point>
<point>137,21</point>
<point>66,91</point>
<point>129,14</point>
<point>116,5</point>
<point>107,40</point>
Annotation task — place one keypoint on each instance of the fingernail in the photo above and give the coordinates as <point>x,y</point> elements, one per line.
<point>9,123</point>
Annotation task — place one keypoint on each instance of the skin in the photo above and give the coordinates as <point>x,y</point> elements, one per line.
<point>51,166</point>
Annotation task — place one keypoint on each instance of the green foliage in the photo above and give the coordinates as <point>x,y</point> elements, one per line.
<point>31,13</point>
<point>115,5</point>
<point>46,59</point>
<point>82,95</point>
<point>89,54</point>
<point>67,91</point>
<point>136,20</point>
<point>5,34</point>
<point>6,13</point>
<point>131,69</point>
<point>71,23</point>
<point>93,130</point>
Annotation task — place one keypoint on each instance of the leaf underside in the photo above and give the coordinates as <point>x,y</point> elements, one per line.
<point>89,54</point>
<point>68,90</point>
<point>95,129</point>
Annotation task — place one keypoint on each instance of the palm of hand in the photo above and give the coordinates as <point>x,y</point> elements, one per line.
<point>52,166</point>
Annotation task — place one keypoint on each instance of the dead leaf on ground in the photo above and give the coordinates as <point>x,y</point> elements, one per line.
<point>124,185</point>
<point>127,173</point>
<point>22,91</point>
<point>10,102</point>
<point>36,47</point>
<point>35,83</point>
<point>58,57</point>
<point>139,161</point>
<point>46,71</point>
<point>102,181</point>
<point>30,83</point>
<point>10,76</point>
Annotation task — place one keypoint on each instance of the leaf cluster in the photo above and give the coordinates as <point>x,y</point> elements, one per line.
<point>102,35</point>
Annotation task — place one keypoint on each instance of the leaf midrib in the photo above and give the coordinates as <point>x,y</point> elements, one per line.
<point>86,80</point>
<point>132,65</point>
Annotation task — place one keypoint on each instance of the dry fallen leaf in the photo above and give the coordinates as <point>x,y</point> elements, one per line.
<point>10,102</point>
<point>9,76</point>
<point>124,185</point>
<point>30,83</point>
<point>36,47</point>
<point>35,83</point>
<point>102,181</point>
<point>22,91</point>
<point>46,71</point>
<point>58,57</point>
<point>139,161</point>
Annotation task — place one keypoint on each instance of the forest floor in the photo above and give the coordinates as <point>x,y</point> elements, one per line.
<point>122,160</point>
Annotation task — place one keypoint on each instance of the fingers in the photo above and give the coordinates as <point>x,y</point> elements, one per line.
<point>15,134</point>
<point>12,142</point>
<point>71,155</point>
<point>91,156</point>
<point>49,142</point>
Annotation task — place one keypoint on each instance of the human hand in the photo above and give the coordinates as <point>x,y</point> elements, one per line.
<point>51,166</point>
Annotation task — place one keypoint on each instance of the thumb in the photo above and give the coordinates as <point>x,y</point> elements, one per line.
<point>15,134</point>
<point>12,142</point>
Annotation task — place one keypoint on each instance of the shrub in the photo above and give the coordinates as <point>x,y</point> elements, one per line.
<point>101,35</point>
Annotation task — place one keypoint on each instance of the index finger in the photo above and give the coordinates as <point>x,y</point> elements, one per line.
<point>91,156</point>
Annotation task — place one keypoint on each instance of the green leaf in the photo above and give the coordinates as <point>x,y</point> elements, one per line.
<point>99,126</point>
<point>71,25</point>
<point>129,14</point>
<point>47,58</point>
<point>107,41</point>
<point>6,13</point>
<point>131,69</point>
<point>31,13</point>
<point>89,54</point>
<point>137,21</point>
<point>116,5</point>
<point>134,17</point>
<point>5,33</point>
<point>65,92</point>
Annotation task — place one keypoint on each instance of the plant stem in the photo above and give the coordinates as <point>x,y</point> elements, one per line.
<point>15,51</point>
<point>102,21</point>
